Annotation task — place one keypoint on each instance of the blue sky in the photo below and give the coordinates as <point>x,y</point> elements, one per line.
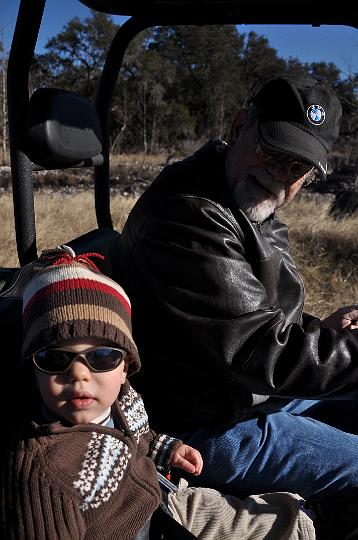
<point>338,44</point>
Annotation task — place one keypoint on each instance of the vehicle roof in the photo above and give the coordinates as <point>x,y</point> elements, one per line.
<point>234,11</point>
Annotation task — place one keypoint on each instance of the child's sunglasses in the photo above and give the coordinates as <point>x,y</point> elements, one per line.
<point>55,361</point>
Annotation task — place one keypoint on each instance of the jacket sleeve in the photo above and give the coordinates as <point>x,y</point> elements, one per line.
<point>192,258</point>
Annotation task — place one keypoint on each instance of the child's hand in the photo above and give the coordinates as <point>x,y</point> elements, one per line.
<point>187,458</point>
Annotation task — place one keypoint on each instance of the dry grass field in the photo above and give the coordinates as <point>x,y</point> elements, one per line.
<point>60,217</point>
<point>325,251</point>
<point>326,254</point>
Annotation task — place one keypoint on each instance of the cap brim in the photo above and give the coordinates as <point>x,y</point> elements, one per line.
<point>287,137</point>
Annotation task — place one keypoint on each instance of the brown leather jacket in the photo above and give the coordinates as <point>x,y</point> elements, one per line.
<point>218,305</point>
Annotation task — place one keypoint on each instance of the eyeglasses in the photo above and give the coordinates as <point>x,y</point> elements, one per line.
<point>56,361</point>
<point>296,169</point>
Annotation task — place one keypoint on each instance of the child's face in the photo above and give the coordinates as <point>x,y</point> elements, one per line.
<point>80,395</point>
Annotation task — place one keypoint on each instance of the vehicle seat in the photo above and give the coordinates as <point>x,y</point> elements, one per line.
<point>164,527</point>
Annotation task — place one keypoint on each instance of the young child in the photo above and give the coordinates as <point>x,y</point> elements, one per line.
<point>82,464</point>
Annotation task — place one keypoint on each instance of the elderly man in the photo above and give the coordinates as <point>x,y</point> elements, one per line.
<point>230,361</point>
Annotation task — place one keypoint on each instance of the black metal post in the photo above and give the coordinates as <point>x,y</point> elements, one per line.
<point>103,101</point>
<point>21,54</point>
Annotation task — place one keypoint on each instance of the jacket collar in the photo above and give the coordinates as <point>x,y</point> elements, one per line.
<point>209,162</point>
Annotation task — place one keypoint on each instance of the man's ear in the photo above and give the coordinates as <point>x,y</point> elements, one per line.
<point>237,126</point>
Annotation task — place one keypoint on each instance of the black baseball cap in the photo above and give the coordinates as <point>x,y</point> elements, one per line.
<point>300,116</point>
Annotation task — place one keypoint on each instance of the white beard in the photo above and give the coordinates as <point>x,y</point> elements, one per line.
<point>258,212</point>
<point>253,202</point>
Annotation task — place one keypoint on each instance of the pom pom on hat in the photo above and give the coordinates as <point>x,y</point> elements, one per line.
<point>69,298</point>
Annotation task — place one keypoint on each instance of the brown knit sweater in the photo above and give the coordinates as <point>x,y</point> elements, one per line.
<point>85,481</point>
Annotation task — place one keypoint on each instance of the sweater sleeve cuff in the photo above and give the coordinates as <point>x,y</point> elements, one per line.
<point>162,450</point>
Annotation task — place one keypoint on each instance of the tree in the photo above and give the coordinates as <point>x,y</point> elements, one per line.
<point>258,63</point>
<point>140,92</point>
<point>206,61</point>
<point>75,56</point>
<point>144,91</point>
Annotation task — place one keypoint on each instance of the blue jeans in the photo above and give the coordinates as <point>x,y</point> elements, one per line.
<point>308,447</point>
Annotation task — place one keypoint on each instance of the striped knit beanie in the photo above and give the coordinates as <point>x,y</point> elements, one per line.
<point>69,298</point>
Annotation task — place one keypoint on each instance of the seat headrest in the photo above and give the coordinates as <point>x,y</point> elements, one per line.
<point>63,128</point>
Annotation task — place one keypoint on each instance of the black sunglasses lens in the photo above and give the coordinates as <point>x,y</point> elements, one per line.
<point>104,358</point>
<point>53,361</point>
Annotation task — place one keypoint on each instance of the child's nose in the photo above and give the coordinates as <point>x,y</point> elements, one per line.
<point>79,370</point>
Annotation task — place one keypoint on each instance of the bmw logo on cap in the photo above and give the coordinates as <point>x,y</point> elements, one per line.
<point>316,114</point>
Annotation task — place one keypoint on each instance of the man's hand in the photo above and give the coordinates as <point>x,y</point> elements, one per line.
<point>345,318</point>
<point>187,458</point>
